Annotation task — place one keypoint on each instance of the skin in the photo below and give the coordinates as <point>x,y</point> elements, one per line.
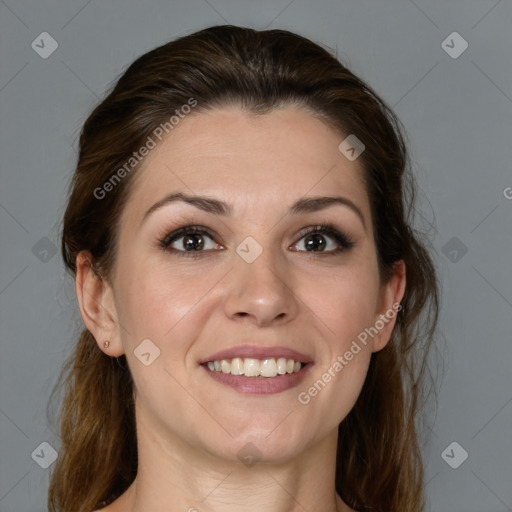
<point>190,427</point>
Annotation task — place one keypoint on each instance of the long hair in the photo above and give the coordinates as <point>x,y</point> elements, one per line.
<point>379,466</point>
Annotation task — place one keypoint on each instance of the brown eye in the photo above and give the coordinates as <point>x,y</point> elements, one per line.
<point>193,242</point>
<point>189,241</point>
<point>316,240</point>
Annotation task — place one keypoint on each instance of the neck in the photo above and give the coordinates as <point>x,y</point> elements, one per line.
<point>173,476</point>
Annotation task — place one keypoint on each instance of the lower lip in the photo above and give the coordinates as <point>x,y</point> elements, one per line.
<point>260,386</point>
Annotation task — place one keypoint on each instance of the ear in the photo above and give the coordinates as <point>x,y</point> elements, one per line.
<point>391,294</point>
<point>97,306</point>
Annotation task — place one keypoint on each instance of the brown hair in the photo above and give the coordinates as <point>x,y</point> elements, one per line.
<point>379,466</point>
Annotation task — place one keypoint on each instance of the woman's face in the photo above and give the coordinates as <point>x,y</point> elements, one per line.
<point>256,279</point>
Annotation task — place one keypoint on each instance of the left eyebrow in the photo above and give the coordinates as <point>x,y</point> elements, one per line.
<point>314,204</point>
<point>217,207</point>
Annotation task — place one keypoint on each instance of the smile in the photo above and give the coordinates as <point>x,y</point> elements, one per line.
<point>250,367</point>
<point>257,377</point>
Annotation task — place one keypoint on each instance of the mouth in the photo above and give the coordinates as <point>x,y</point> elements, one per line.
<point>258,370</point>
<point>268,368</point>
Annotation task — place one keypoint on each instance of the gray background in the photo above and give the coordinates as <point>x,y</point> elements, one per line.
<point>457,113</point>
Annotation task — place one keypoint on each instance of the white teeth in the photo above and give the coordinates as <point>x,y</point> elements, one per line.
<point>281,366</point>
<point>251,367</point>
<point>269,368</point>
<point>237,366</point>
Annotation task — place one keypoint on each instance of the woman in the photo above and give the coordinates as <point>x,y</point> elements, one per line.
<point>239,230</point>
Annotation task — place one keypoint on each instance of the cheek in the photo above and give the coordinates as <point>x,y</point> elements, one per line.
<point>345,302</point>
<point>159,300</point>
<point>344,310</point>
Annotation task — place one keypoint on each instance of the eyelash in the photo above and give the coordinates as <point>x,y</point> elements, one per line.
<point>344,243</point>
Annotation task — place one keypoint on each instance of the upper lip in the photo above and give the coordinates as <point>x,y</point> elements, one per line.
<point>257,352</point>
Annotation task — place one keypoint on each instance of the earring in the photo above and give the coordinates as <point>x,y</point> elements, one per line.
<point>106,344</point>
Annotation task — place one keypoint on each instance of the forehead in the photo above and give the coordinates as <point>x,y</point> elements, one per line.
<point>265,161</point>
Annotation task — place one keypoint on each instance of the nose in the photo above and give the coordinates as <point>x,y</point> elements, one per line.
<point>260,292</point>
